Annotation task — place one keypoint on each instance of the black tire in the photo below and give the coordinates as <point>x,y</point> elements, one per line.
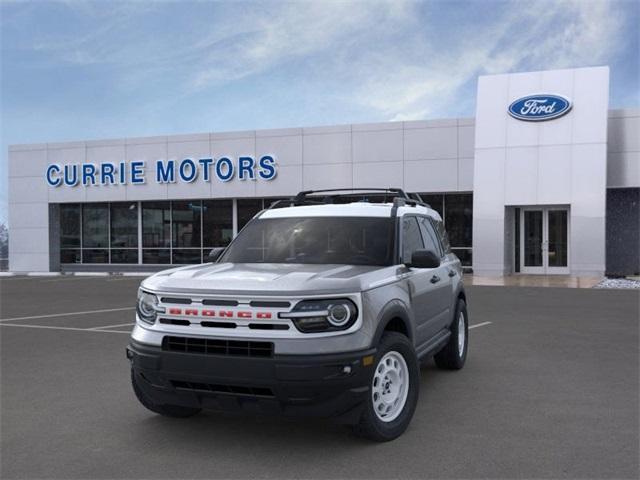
<point>370,425</point>
<point>450,357</point>
<point>175,411</point>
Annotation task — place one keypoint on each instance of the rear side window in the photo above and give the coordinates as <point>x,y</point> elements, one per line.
<point>442,233</point>
<point>411,238</point>
<point>430,237</point>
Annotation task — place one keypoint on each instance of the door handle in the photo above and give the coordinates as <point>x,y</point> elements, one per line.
<point>435,279</point>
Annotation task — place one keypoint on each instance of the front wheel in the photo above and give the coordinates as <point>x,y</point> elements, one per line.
<point>454,353</point>
<point>394,390</point>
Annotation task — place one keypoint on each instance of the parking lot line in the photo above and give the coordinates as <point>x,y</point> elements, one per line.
<point>483,324</point>
<point>112,326</point>
<point>71,279</point>
<point>87,312</point>
<point>49,327</point>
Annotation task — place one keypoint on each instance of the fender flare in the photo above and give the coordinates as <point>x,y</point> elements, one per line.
<point>393,309</point>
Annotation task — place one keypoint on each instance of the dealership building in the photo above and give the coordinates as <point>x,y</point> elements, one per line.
<point>544,180</point>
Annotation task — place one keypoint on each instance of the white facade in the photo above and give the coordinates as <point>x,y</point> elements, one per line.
<point>558,162</point>
<point>569,161</point>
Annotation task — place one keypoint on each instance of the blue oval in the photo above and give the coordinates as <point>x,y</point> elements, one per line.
<point>536,108</point>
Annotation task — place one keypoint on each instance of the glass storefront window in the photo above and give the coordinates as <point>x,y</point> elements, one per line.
<point>217,223</point>
<point>70,233</point>
<point>465,255</point>
<point>456,210</point>
<point>185,219</point>
<point>124,225</point>
<point>247,209</point>
<point>95,255</point>
<point>156,224</point>
<point>95,225</point>
<point>70,255</point>
<point>458,218</point>
<point>69,226</point>
<point>435,201</point>
<point>127,255</point>
<point>186,255</point>
<point>156,255</point>
<point>186,228</point>
<point>183,232</point>
<point>267,202</point>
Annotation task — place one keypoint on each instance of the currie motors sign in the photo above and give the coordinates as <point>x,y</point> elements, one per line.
<point>537,108</point>
<point>188,170</point>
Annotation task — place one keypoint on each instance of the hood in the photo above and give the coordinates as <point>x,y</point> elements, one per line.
<point>267,278</point>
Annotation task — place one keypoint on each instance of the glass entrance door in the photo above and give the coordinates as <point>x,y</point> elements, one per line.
<point>544,240</point>
<point>533,241</point>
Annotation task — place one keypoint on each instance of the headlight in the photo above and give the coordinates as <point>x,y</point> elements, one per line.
<point>313,316</point>
<point>147,307</point>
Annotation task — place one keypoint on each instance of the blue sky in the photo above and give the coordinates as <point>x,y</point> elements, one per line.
<point>81,70</point>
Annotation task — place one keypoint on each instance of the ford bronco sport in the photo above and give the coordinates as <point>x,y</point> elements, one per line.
<point>318,307</point>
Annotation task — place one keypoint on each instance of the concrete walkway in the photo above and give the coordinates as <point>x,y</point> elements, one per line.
<point>561,281</point>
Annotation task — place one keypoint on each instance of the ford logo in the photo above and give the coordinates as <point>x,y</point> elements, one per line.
<point>536,108</point>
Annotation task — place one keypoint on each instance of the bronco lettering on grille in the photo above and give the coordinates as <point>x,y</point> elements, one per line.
<point>243,314</point>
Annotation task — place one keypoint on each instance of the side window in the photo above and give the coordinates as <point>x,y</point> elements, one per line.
<point>411,238</point>
<point>430,237</point>
<point>444,237</point>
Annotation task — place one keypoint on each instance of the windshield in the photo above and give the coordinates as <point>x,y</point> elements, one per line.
<point>319,240</point>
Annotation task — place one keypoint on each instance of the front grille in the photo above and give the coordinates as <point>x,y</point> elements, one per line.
<point>214,388</point>
<point>269,304</point>
<point>220,303</point>
<point>178,301</point>
<point>209,346</point>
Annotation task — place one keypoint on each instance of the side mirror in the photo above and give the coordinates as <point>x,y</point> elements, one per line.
<point>424,259</point>
<point>215,253</point>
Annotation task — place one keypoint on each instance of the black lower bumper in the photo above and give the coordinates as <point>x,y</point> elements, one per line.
<point>309,385</point>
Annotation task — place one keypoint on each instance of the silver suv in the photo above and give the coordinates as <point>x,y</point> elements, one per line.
<point>322,305</point>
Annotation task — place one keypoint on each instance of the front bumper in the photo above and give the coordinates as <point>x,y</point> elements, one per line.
<point>310,385</point>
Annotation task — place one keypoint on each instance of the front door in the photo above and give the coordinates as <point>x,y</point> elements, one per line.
<point>544,240</point>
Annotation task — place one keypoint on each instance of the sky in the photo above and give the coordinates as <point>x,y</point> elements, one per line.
<point>73,70</point>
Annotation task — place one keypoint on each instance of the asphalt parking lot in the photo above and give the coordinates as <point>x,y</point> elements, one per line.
<point>550,390</point>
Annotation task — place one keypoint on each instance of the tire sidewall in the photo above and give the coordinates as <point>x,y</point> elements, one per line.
<point>389,430</point>
<point>461,307</point>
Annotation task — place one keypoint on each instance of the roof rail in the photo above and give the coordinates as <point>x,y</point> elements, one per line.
<point>310,197</point>
<point>398,192</point>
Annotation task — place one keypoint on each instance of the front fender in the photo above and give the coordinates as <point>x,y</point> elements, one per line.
<point>395,309</point>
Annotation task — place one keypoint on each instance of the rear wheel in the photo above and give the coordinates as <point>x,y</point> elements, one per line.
<point>394,390</point>
<point>165,410</point>
<point>454,353</point>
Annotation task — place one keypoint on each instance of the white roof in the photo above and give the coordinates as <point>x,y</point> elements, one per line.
<point>355,209</point>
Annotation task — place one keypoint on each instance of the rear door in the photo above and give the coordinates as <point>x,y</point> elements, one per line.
<point>441,279</point>
<point>422,288</point>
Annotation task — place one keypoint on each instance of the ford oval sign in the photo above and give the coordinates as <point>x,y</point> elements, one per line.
<point>536,108</point>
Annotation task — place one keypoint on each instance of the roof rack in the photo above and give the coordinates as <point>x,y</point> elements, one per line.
<point>306,197</point>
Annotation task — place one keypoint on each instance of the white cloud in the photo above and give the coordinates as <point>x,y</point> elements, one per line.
<point>527,36</point>
<point>385,56</point>
<point>294,30</point>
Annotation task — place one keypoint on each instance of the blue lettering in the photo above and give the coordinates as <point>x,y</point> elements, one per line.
<point>224,177</point>
<point>267,168</point>
<point>53,181</point>
<point>193,171</point>
<point>245,165</point>
<point>88,173</point>
<point>106,173</point>
<point>206,165</point>
<point>165,174</point>
<point>68,179</point>
<point>123,173</point>
<point>137,173</point>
